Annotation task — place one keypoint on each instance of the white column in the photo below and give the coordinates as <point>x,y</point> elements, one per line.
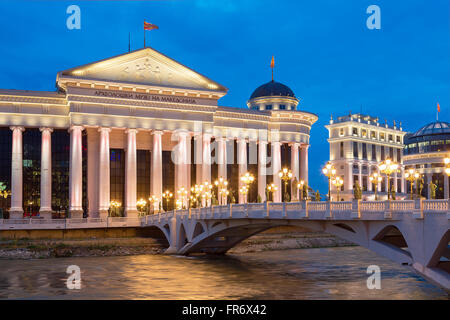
<point>242,163</point>
<point>181,166</point>
<point>304,163</point>
<point>222,157</point>
<point>156,177</point>
<point>76,173</point>
<point>45,210</point>
<point>403,182</point>
<point>131,174</point>
<point>262,161</point>
<point>206,158</point>
<point>446,193</point>
<point>395,182</point>
<point>187,164</point>
<point>104,173</point>
<point>16,211</point>
<point>360,175</point>
<point>222,161</point>
<point>369,171</point>
<point>198,145</point>
<point>348,180</point>
<point>276,167</point>
<point>295,165</point>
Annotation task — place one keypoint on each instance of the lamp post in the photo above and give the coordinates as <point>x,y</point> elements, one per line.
<point>182,192</point>
<point>375,179</point>
<point>286,175</point>
<point>153,199</point>
<point>197,191</point>
<point>300,188</point>
<point>329,171</point>
<point>114,204</point>
<point>412,175</point>
<point>271,188</point>
<point>167,195</point>
<point>221,185</point>
<point>244,191</point>
<point>388,167</point>
<point>247,178</point>
<point>141,204</point>
<point>338,182</point>
<point>206,194</point>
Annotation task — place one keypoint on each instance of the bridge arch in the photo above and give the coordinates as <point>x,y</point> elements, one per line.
<point>441,256</point>
<point>392,237</point>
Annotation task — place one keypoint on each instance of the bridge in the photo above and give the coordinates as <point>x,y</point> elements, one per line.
<point>413,233</point>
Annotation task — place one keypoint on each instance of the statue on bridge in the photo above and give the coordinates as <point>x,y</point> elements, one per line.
<point>305,192</point>
<point>357,193</point>
<point>294,189</point>
<point>433,188</point>
<point>419,190</point>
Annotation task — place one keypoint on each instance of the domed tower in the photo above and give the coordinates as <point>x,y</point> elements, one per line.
<point>273,96</point>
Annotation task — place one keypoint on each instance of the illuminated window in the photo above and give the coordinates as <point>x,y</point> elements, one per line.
<point>341,132</point>
<point>373,134</point>
<point>382,136</point>
<point>364,133</point>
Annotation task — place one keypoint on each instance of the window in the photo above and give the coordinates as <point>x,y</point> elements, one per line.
<point>364,150</point>
<point>382,153</point>
<point>398,139</point>
<point>341,149</point>
<point>391,139</point>
<point>117,178</point>
<point>355,149</point>
<point>391,153</point>
<point>373,134</point>
<point>364,133</point>
<point>399,155</point>
<point>341,132</point>
<point>382,136</point>
<point>268,107</point>
<point>355,131</point>
<point>374,152</point>
<point>282,107</point>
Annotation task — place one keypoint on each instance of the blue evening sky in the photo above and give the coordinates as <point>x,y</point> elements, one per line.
<point>323,51</point>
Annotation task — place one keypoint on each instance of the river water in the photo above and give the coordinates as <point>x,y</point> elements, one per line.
<point>328,273</point>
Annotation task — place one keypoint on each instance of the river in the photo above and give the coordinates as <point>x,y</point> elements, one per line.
<point>327,273</point>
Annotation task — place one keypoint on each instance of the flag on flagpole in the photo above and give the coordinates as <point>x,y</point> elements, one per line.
<point>272,65</point>
<point>149,26</point>
<point>438,107</point>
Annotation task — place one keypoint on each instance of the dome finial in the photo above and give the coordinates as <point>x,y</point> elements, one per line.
<point>272,65</point>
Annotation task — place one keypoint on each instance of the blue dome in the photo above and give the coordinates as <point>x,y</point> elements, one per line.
<point>271,89</point>
<point>430,138</point>
<point>433,128</point>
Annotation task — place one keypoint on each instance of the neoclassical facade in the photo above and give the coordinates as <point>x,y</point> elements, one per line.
<point>358,143</point>
<point>135,125</point>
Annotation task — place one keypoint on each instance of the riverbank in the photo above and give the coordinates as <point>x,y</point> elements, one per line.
<point>275,239</point>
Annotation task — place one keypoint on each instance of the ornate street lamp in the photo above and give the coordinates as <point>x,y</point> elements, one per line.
<point>167,195</point>
<point>206,194</point>
<point>338,182</point>
<point>222,191</point>
<point>153,199</point>
<point>300,188</point>
<point>329,171</point>
<point>388,167</point>
<point>141,204</point>
<point>182,192</point>
<point>115,204</point>
<point>412,175</point>
<point>248,179</point>
<point>286,176</point>
<point>375,179</point>
<point>244,190</point>
<point>271,188</point>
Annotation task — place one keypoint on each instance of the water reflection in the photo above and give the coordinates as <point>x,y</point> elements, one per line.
<point>331,273</point>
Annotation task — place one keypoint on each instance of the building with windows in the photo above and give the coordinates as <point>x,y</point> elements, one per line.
<point>135,125</point>
<point>358,143</point>
<point>425,151</point>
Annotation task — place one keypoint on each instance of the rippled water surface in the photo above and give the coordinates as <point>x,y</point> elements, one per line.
<point>331,273</point>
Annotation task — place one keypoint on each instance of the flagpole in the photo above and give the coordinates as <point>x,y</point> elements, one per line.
<point>129,41</point>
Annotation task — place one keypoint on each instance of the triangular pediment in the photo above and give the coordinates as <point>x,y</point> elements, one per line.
<point>147,67</point>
